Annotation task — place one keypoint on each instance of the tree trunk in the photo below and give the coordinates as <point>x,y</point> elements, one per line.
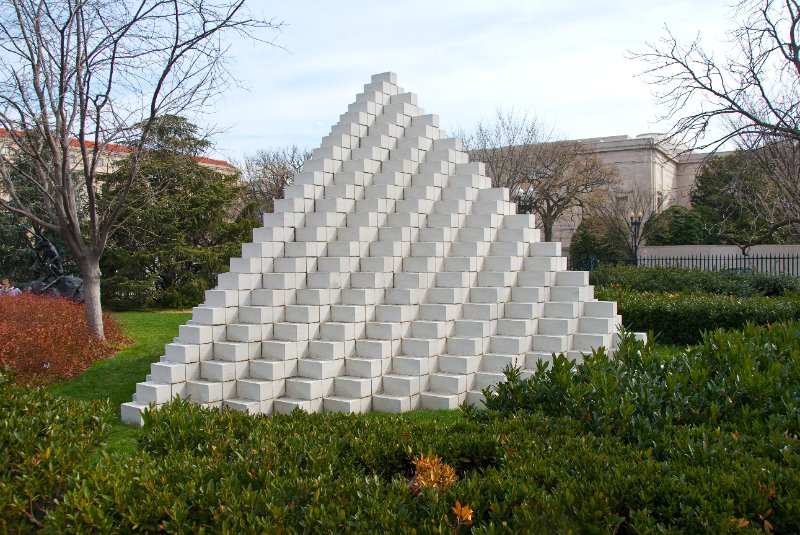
<point>547,229</point>
<point>90,271</point>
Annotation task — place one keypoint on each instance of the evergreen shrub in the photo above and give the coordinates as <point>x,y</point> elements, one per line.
<point>703,439</point>
<point>681,317</point>
<point>669,279</point>
<point>43,442</point>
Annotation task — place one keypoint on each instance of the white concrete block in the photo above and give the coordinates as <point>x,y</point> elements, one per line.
<point>153,392</point>
<point>201,391</point>
<point>195,334</point>
<point>168,372</point>
<point>473,328</point>
<point>279,350</point>
<point>600,309</point>
<point>182,353</point>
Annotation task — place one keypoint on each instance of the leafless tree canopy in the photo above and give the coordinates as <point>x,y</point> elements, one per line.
<point>614,207</point>
<point>750,97</point>
<point>80,73</point>
<point>781,159</point>
<point>518,153</point>
<point>268,172</point>
<point>753,90</point>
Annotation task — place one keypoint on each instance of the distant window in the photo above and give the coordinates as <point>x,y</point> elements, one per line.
<point>6,151</point>
<point>100,161</point>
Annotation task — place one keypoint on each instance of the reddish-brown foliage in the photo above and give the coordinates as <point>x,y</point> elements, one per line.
<point>45,339</point>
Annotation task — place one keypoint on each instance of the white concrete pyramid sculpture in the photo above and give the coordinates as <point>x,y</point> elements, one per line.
<point>391,277</point>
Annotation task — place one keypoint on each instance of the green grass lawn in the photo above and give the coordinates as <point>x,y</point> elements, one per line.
<point>114,379</point>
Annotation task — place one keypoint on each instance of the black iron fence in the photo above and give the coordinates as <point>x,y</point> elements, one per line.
<point>773,264</point>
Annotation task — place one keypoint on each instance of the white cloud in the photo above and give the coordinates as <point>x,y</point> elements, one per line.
<point>563,61</point>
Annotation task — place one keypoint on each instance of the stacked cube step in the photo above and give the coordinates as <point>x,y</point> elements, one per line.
<point>392,276</point>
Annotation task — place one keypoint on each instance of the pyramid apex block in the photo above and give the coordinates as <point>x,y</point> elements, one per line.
<point>382,87</point>
<point>388,77</point>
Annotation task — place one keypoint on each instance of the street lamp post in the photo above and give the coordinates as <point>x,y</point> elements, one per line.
<point>524,200</point>
<point>635,225</point>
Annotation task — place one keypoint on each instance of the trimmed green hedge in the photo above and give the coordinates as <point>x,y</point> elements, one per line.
<point>658,279</point>
<point>681,318</point>
<point>348,474</point>
<point>701,441</point>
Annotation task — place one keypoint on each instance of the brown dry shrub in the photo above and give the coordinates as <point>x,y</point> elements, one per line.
<point>46,339</point>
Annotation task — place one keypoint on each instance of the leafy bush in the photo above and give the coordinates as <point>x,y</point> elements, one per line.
<point>43,442</point>
<point>227,472</point>
<point>46,339</point>
<point>660,279</point>
<point>681,318</point>
<point>591,244</point>
<point>677,225</point>
<point>748,379</point>
<point>730,405</point>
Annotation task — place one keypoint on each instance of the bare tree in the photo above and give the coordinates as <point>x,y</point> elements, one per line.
<point>750,97</point>
<point>75,75</point>
<point>268,172</point>
<point>616,210</point>
<point>503,145</point>
<point>558,176</point>
<point>751,92</point>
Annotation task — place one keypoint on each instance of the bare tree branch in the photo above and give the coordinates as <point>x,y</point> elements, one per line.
<point>268,172</point>
<point>753,90</point>
<point>558,175</point>
<point>75,75</point>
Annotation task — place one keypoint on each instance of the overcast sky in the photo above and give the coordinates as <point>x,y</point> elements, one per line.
<point>562,61</point>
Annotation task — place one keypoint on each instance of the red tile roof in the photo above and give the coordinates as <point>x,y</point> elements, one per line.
<point>113,147</point>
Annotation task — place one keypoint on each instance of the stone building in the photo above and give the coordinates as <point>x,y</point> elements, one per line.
<point>647,163</point>
<point>108,158</point>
